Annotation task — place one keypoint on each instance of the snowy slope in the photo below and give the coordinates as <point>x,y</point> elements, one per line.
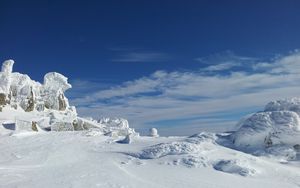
<point>73,159</point>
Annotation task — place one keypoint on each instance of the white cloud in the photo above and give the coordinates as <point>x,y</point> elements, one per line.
<point>183,95</point>
<point>222,66</point>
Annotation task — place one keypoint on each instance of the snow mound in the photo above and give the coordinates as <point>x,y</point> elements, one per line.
<point>116,127</point>
<point>202,137</point>
<point>200,151</point>
<point>165,149</point>
<point>191,146</point>
<point>234,167</point>
<point>278,125</point>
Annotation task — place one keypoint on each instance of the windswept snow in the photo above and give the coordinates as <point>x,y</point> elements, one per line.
<point>72,159</point>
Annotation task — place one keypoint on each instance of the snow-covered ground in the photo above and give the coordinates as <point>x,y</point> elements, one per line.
<point>43,143</point>
<point>75,159</point>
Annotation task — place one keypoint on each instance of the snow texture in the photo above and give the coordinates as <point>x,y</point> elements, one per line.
<point>72,159</point>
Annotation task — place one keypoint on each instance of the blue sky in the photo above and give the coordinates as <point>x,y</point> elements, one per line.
<point>181,66</point>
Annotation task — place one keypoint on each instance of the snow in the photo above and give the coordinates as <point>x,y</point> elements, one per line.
<point>116,126</point>
<point>55,81</point>
<point>164,149</point>
<point>126,140</point>
<point>7,66</point>
<point>292,104</point>
<point>234,167</point>
<point>114,122</point>
<point>277,126</point>
<point>43,143</point>
<point>72,159</point>
<point>5,76</point>
<point>24,101</point>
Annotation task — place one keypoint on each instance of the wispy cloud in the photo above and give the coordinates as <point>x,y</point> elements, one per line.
<point>226,61</point>
<point>195,99</point>
<point>222,66</point>
<point>129,54</point>
<point>225,57</point>
<point>141,57</point>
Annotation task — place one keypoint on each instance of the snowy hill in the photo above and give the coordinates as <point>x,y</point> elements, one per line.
<point>43,143</point>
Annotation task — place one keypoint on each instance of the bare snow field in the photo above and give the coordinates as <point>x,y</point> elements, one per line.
<point>75,159</point>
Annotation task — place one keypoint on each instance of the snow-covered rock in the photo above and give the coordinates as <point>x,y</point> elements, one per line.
<point>5,79</point>
<point>278,125</point>
<point>7,66</point>
<point>114,122</point>
<point>116,127</point>
<point>33,106</point>
<point>19,91</point>
<point>54,87</point>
